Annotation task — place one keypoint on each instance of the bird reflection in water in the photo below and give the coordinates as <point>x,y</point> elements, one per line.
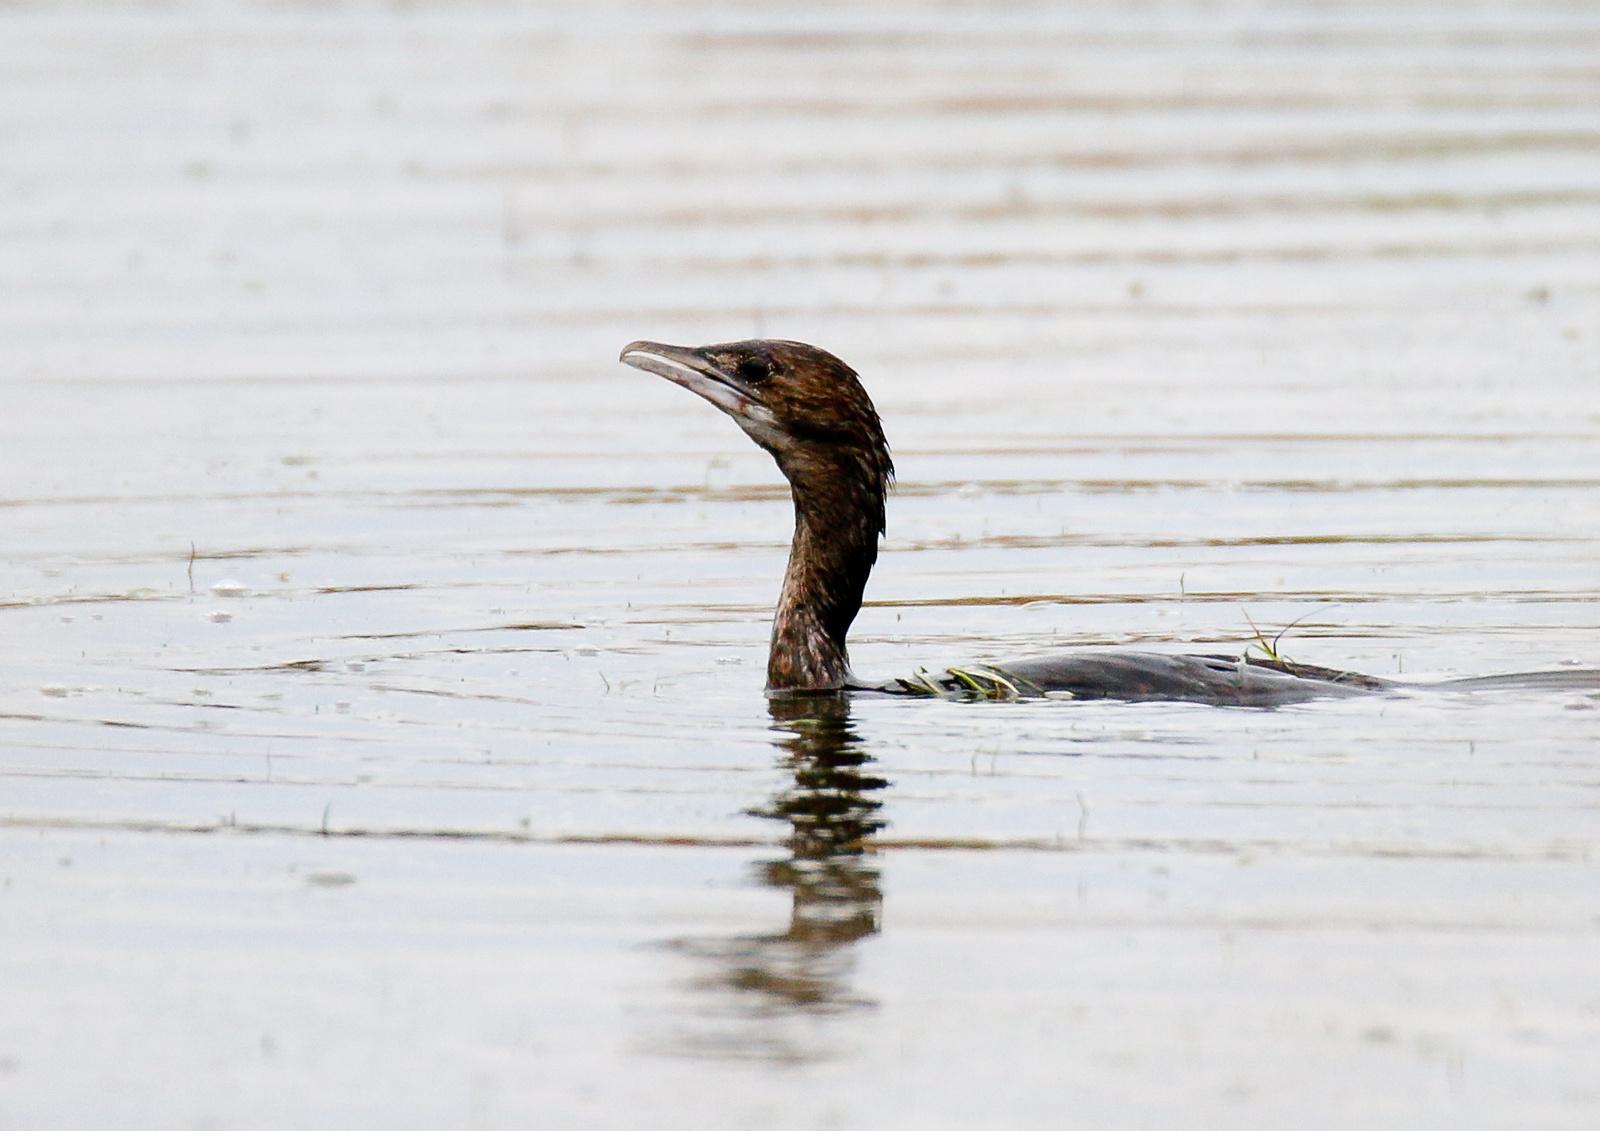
<point>803,972</point>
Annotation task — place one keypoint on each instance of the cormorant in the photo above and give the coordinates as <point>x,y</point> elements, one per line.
<point>810,411</point>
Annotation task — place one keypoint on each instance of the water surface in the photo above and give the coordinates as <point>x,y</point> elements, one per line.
<point>381,722</point>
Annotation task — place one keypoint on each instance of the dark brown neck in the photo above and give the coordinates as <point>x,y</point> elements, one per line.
<point>838,515</point>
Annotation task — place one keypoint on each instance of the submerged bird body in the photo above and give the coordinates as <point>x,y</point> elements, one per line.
<point>1116,673</point>
<point>810,411</point>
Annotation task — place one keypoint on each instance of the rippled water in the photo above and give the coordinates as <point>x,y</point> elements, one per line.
<point>333,531</point>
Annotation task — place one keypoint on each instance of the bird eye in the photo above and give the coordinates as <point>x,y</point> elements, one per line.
<point>755,370</point>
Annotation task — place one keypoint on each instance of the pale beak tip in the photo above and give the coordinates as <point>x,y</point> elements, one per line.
<point>644,347</point>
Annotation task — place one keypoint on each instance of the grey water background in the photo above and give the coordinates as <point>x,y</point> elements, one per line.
<point>381,728</point>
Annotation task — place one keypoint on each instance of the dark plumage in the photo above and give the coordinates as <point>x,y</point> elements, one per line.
<point>809,410</point>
